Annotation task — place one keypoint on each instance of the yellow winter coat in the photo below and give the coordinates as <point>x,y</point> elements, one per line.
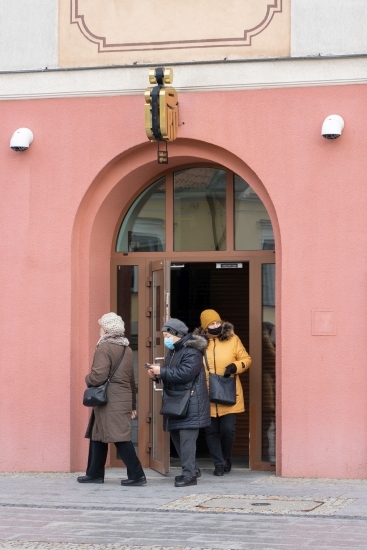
<point>227,348</point>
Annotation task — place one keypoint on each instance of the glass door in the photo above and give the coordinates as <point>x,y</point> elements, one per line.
<point>160,311</point>
<point>268,344</point>
<point>262,371</point>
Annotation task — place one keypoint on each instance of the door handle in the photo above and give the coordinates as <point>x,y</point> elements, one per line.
<point>167,305</point>
<point>156,359</point>
<point>155,387</point>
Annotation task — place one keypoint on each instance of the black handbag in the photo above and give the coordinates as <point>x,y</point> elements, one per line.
<point>221,390</point>
<point>175,404</point>
<point>96,396</point>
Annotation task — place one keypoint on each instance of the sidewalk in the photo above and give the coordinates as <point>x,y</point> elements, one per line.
<point>242,510</point>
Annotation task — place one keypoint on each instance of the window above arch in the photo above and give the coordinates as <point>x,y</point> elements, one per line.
<point>199,219</point>
<point>196,209</point>
<point>144,226</point>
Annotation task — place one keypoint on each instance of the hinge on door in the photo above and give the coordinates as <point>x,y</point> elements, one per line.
<point>148,312</point>
<point>148,282</point>
<point>148,342</point>
<point>148,448</point>
<point>148,418</point>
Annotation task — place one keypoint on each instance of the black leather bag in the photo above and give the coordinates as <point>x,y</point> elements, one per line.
<point>175,404</point>
<point>96,396</point>
<point>221,390</point>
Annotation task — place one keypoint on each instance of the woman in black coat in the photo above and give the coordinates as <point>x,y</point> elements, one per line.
<point>182,370</point>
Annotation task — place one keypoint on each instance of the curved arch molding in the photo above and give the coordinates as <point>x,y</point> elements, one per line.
<point>146,25</point>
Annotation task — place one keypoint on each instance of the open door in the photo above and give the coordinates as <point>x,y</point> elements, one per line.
<point>160,304</point>
<point>262,371</point>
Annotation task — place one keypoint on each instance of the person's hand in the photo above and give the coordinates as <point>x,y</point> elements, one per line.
<point>155,369</point>
<point>230,369</point>
<point>151,373</point>
<point>133,415</point>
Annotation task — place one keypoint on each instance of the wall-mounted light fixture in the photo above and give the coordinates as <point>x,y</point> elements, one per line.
<point>332,127</point>
<point>21,139</point>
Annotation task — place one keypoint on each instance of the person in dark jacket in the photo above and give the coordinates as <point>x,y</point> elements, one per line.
<point>111,423</point>
<point>182,370</point>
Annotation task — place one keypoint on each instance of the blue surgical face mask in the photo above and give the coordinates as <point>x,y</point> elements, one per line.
<point>169,343</point>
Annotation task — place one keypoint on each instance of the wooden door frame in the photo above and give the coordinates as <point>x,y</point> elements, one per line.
<point>255,259</point>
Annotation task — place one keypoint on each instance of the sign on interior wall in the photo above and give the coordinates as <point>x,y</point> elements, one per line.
<point>114,32</point>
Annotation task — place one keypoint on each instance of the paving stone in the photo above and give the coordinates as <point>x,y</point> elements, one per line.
<point>261,504</point>
<point>52,511</point>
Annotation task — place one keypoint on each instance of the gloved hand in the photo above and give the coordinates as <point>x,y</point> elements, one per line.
<point>230,369</point>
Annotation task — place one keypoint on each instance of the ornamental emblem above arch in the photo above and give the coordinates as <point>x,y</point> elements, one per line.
<point>104,32</point>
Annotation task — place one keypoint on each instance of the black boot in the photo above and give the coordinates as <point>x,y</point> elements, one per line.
<point>134,482</point>
<point>186,481</point>
<point>197,473</point>
<point>88,479</point>
<point>218,471</point>
<point>227,466</point>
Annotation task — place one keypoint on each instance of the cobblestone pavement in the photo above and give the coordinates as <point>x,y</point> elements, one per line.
<point>54,512</point>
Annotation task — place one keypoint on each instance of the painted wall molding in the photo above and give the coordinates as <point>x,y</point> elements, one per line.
<point>79,17</point>
<point>188,78</point>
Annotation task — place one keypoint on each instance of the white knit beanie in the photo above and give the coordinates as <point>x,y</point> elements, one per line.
<point>112,323</point>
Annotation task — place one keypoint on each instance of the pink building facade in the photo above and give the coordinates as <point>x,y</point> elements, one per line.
<point>63,201</point>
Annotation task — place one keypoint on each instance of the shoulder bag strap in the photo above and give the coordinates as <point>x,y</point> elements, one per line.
<point>117,366</point>
<point>206,361</point>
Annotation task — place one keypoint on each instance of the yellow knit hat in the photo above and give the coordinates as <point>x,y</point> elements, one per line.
<point>209,316</point>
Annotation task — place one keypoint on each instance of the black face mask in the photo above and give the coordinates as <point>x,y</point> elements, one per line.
<point>215,331</point>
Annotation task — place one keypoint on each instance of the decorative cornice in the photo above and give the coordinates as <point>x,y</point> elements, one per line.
<point>189,78</point>
<point>80,19</point>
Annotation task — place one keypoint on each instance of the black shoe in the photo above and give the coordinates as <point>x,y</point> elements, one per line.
<point>198,474</point>
<point>88,479</point>
<point>227,466</point>
<point>218,471</point>
<point>186,481</point>
<point>134,482</point>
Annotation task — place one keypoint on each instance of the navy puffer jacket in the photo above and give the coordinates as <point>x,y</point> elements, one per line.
<point>183,365</point>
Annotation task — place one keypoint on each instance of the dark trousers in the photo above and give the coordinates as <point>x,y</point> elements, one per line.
<point>98,455</point>
<point>220,437</point>
<point>185,444</point>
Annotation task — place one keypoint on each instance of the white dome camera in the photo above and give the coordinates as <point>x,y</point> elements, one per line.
<point>21,139</point>
<point>332,127</point>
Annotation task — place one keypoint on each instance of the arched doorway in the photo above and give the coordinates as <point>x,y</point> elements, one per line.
<point>199,237</point>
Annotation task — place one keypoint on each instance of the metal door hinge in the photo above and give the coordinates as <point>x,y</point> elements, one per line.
<point>148,342</point>
<point>148,312</point>
<point>148,418</point>
<point>148,282</point>
<point>148,448</point>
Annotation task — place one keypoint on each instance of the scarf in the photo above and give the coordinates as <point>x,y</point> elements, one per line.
<point>118,338</point>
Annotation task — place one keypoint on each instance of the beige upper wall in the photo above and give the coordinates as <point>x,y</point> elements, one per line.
<point>53,33</point>
<point>111,32</point>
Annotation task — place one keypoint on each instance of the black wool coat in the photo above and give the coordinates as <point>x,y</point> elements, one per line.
<point>183,366</point>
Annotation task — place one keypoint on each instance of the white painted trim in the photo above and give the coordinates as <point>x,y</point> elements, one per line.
<point>188,78</point>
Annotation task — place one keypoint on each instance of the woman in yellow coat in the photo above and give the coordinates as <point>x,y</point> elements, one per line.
<point>226,356</point>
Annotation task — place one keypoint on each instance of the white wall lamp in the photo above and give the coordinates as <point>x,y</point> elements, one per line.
<point>21,139</point>
<point>332,127</point>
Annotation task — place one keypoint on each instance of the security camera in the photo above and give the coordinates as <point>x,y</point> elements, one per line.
<point>21,139</point>
<point>332,127</point>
